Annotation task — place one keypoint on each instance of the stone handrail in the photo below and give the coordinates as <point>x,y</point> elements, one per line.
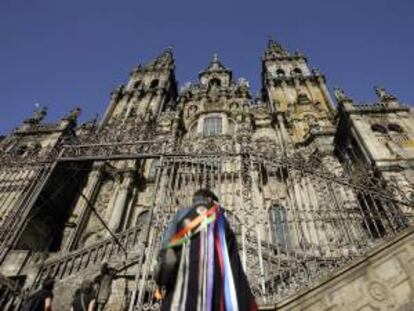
<point>95,254</point>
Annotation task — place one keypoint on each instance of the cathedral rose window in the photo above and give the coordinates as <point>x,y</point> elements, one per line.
<point>212,126</point>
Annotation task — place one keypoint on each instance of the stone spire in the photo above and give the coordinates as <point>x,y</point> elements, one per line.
<point>275,49</point>
<point>162,61</point>
<point>215,65</point>
<point>217,71</point>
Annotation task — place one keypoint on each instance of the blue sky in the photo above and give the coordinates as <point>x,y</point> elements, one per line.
<point>73,53</point>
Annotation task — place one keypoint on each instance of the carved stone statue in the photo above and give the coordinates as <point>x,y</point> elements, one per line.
<point>382,93</point>
<point>339,94</point>
<point>74,114</point>
<point>117,92</point>
<point>243,82</point>
<point>38,115</point>
<point>316,71</point>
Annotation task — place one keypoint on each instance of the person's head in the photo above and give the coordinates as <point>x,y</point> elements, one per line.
<point>204,197</point>
<point>86,286</point>
<point>48,283</point>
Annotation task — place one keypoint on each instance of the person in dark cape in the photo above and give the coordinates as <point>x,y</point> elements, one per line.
<point>199,265</point>
<point>42,299</point>
<point>84,297</point>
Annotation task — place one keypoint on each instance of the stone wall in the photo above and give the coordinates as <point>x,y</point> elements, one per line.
<point>383,280</point>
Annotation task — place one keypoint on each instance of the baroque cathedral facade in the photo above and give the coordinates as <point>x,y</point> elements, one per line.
<point>320,193</point>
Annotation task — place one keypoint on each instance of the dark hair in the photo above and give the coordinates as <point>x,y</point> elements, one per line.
<point>86,286</point>
<point>48,284</point>
<point>202,195</point>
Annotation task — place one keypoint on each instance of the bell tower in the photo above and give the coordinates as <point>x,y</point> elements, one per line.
<point>150,90</point>
<point>216,75</point>
<point>297,96</point>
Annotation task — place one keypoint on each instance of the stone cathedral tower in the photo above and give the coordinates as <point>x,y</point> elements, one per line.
<point>320,195</point>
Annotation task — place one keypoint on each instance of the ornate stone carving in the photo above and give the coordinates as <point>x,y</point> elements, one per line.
<point>340,94</point>
<point>382,94</point>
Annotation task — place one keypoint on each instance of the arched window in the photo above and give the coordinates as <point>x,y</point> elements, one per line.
<point>137,84</point>
<point>395,128</point>
<point>154,83</point>
<point>212,126</point>
<point>296,72</point>
<point>303,98</point>
<point>379,128</point>
<point>279,227</point>
<point>215,82</point>
<point>280,73</point>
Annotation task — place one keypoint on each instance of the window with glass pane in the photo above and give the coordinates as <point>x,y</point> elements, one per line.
<point>212,126</point>
<point>279,227</point>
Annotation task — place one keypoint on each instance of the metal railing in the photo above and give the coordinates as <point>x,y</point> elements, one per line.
<point>295,221</point>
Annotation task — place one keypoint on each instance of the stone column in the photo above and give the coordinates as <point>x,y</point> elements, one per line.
<point>200,125</point>
<point>160,100</point>
<point>287,92</point>
<point>327,96</point>
<point>285,135</point>
<point>130,101</point>
<point>143,104</point>
<point>225,124</point>
<point>271,106</point>
<point>308,85</point>
<point>115,95</point>
<point>120,203</point>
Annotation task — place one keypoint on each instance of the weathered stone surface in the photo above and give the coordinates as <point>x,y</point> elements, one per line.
<point>382,280</point>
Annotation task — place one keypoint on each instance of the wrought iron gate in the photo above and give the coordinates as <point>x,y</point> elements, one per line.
<point>295,222</point>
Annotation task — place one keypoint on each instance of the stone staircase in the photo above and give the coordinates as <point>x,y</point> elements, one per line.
<point>91,257</point>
